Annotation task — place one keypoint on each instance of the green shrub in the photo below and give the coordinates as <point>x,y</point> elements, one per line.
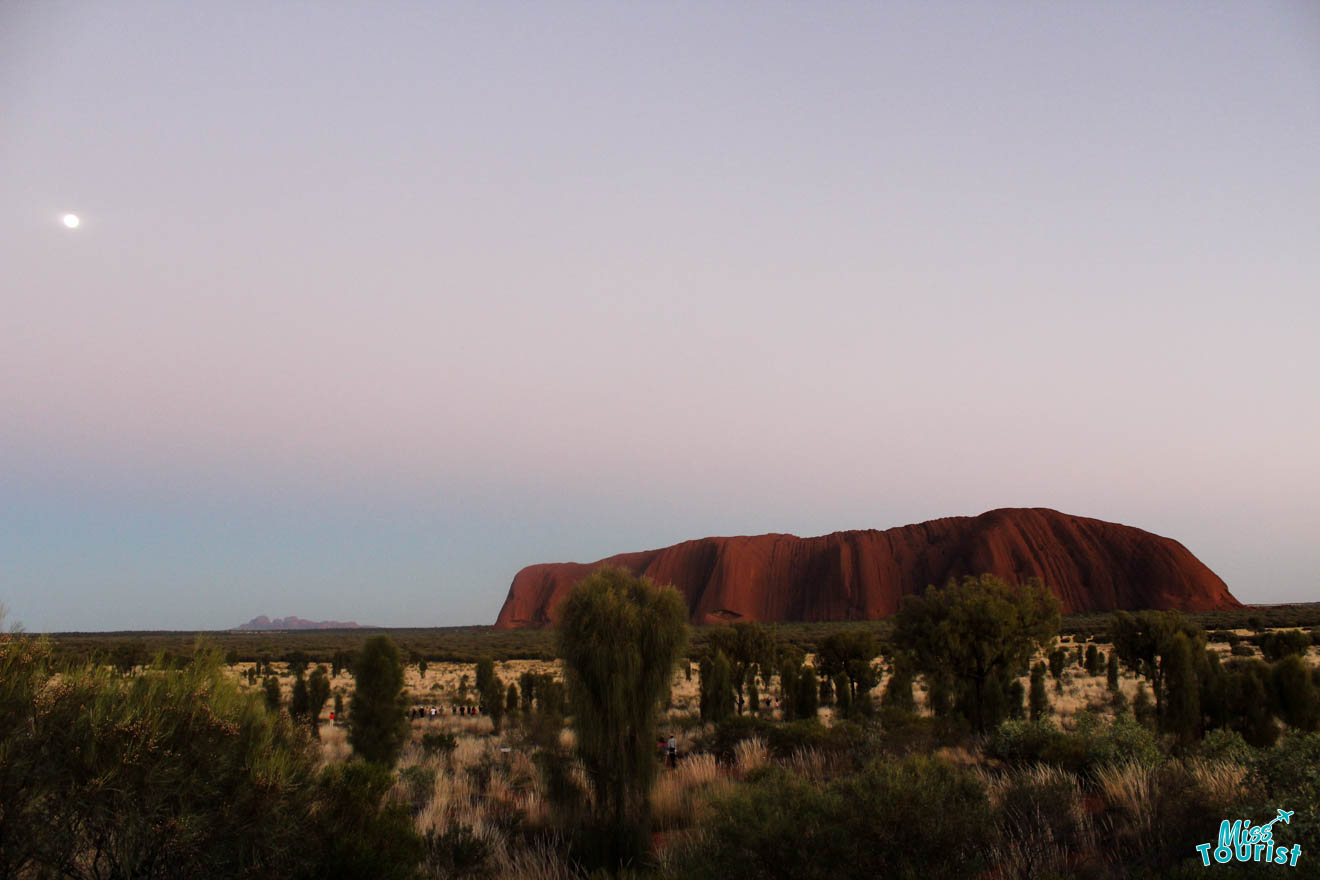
<point>921,818</point>
<point>457,853</point>
<point>1091,745</point>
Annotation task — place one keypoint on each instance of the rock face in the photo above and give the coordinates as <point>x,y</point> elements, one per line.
<point>1090,564</point>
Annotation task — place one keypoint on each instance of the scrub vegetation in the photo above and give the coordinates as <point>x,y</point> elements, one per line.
<point>966,737</point>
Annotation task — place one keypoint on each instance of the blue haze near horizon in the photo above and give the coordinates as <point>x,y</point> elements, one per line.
<point>374,304</point>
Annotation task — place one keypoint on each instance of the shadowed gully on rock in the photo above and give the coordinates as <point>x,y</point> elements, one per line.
<point>862,575</point>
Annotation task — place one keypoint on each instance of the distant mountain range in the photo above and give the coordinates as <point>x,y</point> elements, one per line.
<point>265,623</point>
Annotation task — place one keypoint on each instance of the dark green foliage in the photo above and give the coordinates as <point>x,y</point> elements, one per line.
<point>1244,702</point>
<point>339,707</point>
<point>362,835</point>
<point>1092,660</point>
<point>298,698</point>
<point>1142,707</point>
<point>790,671</point>
<point>1111,671</point>
<point>826,691</point>
<point>491,692</point>
<point>1039,705</point>
<point>746,645</point>
<point>297,661</point>
<point>921,818</point>
<point>1142,640</point>
<point>1288,776</point>
<point>422,666</point>
<point>898,690</point>
<point>1092,744</point>
<point>378,721</point>
<point>717,695</point>
<point>1277,645</point>
<point>843,695</point>
<point>271,688</point>
<point>511,702</point>
<point>442,744</point>
<point>1242,651</point>
<point>1293,697</point>
<point>485,674</point>
<point>805,701</point>
<point>846,657</point>
<point>1182,715</point>
<point>457,853</point>
<point>980,632</point>
<point>939,693</point>
<point>174,773</point>
<point>753,695</point>
<point>1057,658</point>
<point>620,637</point>
<point>318,691</point>
<point>527,681</point>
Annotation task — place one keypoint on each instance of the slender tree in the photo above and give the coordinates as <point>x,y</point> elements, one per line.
<point>272,689</point>
<point>1039,699</point>
<point>378,722</point>
<point>318,691</point>
<point>620,637</point>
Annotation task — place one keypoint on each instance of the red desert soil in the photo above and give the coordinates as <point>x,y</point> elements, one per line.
<point>861,575</point>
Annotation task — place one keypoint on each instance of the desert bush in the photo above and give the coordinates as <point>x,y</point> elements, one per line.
<point>919,818</point>
<point>457,852</point>
<point>1091,745</point>
<point>1277,645</point>
<point>1041,823</point>
<point>1155,815</point>
<point>1288,776</point>
<point>1242,651</point>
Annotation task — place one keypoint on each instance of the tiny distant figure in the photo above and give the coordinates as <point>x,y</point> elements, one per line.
<point>673,751</point>
<point>332,716</point>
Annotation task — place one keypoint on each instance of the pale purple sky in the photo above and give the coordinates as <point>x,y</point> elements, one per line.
<point>374,304</point>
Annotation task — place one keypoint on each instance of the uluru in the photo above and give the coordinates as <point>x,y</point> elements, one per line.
<point>1090,564</point>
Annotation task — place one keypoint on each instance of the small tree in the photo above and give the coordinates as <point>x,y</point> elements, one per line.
<point>378,722</point>
<point>848,654</point>
<point>806,700</point>
<point>1293,696</point>
<point>511,702</point>
<point>298,700</point>
<point>1057,659</point>
<point>620,637</point>
<point>422,666</point>
<point>1092,660</point>
<point>1111,671</point>
<point>1039,699</point>
<point>318,691</point>
<point>716,688</point>
<point>898,690</point>
<point>272,688</point>
<point>1182,716</point>
<point>980,632</point>
<point>493,699</point>
<point>485,675</point>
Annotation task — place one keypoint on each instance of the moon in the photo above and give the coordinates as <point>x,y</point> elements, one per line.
<point>71,221</point>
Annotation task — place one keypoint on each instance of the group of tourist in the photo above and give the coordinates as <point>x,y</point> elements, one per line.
<point>434,711</point>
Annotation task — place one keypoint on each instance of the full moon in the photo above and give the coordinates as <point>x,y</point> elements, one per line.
<point>70,220</point>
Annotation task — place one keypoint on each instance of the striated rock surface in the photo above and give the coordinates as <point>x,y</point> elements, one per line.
<point>1090,564</point>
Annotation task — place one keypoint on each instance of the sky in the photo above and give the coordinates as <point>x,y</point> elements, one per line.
<point>373,304</point>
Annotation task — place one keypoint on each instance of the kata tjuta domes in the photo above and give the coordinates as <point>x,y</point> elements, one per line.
<point>1090,564</point>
